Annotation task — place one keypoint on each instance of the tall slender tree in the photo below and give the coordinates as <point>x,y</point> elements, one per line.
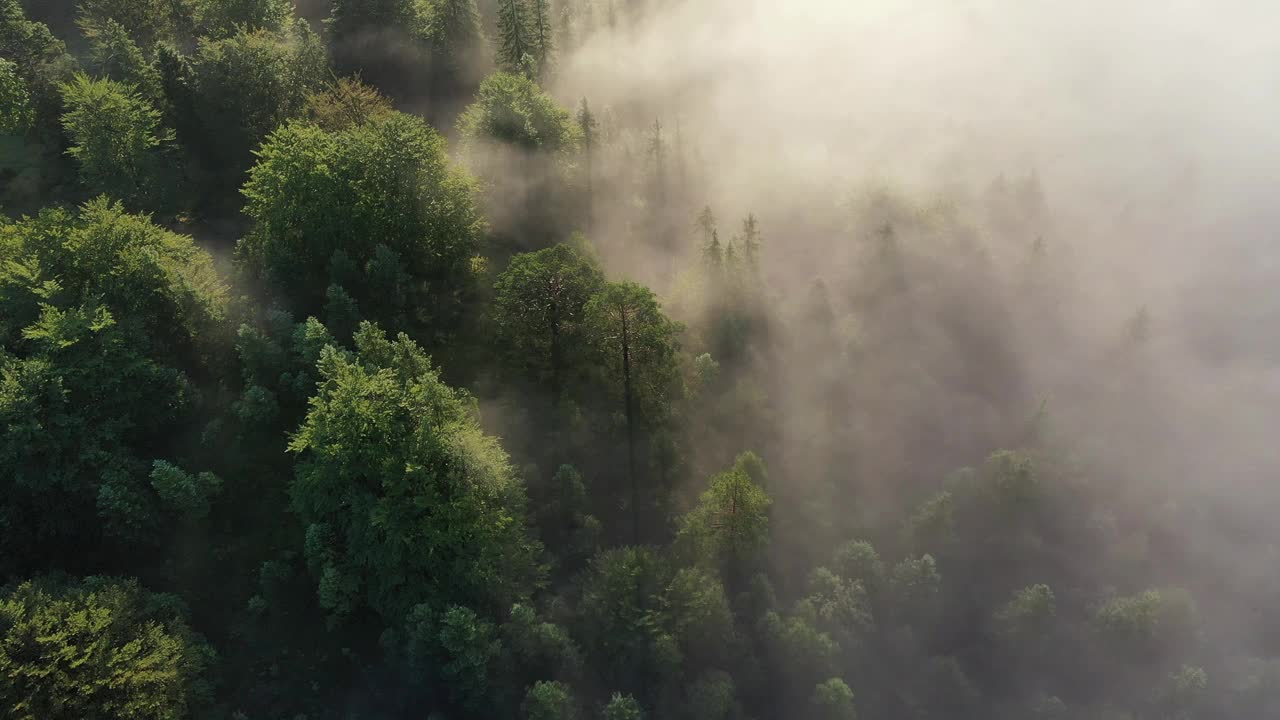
<point>637,346</point>
<point>540,34</point>
<point>513,34</point>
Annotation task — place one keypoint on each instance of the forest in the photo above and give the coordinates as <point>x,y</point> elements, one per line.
<point>613,360</point>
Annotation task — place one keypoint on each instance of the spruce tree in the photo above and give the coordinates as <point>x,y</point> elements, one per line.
<point>513,34</point>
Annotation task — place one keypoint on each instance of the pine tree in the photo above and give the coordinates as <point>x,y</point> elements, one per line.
<point>513,34</point>
<point>750,241</point>
<point>540,37</point>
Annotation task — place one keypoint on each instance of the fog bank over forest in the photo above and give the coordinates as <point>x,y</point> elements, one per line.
<point>639,360</point>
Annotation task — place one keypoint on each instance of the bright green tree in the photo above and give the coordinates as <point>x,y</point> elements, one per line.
<point>98,648</point>
<point>405,499</point>
<point>549,700</point>
<point>729,527</point>
<point>511,110</point>
<point>377,209</point>
<point>116,138</point>
<point>16,113</point>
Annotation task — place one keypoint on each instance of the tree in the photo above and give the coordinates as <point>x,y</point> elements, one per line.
<point>513,123</point>
<point>101,647</point>
<point>375,208</point>
<point>346,102</point>
<point>512,110</point>
<point>539,305</point>
<point>832,700</point>
<point>116,137</point>
<point>147,21</point>
<point>540,34</point>
<point>750,242</point>
<point>247,85</point>
<point>636,345</point>
<point>457,46</point>
<point>858,560</point>
<point>405,499</point>
<point>549,700</point>
<point>622,707</point>
<point>104,319</point>
<point>16,113</point>
<point>730,524</point>
<point>514,35</point>
<point>116,56</point>
<point>220,19</point>
<point>622,622</point>
<point>40,61</point>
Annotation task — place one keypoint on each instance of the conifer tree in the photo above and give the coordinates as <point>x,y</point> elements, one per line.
<point>513,34</point>
<point>540,34</point>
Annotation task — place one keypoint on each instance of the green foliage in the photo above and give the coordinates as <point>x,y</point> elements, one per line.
<point>181,491</point>
<point>347,206</point>
<point>1028,615</point>
<point>514,35</point>
<point>730,525</point>
<point>621,619</point>
<point>635,346</point>
<point>710,697</point>
<point>916,587</point>
<point>549,700</point>
<point>622,707</point>
<point>349,19</point>
<point>224,18</point>
<point>98,648</point>
<point>408,500</point>
<point>858,560</point>
<point>512,110</point>
<point>538,310</point>
<point>116,138</point>
<point>16,113</point>
<point>457,44</point>
<point>40,61</point>
<point>102,317</point>
<point>147,21</point>
<point>345,103</point>
<point>832,700</point>
<point>249,83</point>
<point>116,56</point>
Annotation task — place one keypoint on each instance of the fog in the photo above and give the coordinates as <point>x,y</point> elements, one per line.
<point>1151,129</point>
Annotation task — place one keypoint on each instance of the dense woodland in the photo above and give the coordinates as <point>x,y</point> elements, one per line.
<point>347,372</point>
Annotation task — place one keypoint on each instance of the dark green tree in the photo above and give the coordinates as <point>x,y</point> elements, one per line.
<point>539,305</point>
<point>515,36</point>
